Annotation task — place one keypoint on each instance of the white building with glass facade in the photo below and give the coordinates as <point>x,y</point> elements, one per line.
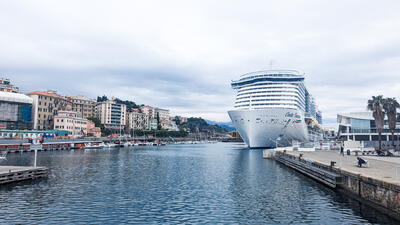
<point>360,126</point>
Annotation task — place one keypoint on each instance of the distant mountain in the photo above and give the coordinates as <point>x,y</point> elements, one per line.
<point>226,125</point>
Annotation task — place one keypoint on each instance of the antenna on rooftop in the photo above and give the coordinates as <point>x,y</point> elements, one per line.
<point>271,63</point>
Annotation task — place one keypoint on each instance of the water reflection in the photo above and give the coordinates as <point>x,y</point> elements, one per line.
<point>217,183</point>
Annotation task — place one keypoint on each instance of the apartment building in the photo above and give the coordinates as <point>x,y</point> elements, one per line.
<point>92,130</point>
<point>72,122</point>
<point>111,114</point>
<point>149,111</point>
<point>137,120</point>
<point>153,124</point>
<point>163,114</point>
<point>83,105</point>
<point>46,104</point>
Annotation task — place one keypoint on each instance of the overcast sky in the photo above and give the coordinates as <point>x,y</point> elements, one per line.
<point>182,55</point>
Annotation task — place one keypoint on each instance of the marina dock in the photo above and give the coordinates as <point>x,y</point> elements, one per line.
<point>10,174</point>
<point>377,184</point>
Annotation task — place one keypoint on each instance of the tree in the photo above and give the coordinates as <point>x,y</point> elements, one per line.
<point>105,131</point>
<point>376,106</point>
<point>158,122</point>
<point>102,99</point>
<point>129,104</point>
<point>195,125</point>
<point>390,106</point>
<point>177,121</point>
<point>95,120</point>
<point>398,120</point>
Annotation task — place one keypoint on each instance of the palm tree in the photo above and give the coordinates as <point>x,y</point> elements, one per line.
<point>390,106</point>
<point>376,106</point>
<point>398,120</point>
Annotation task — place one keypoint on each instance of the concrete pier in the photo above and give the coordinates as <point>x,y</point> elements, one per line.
<point>378,184</point>
<point>10,174</point>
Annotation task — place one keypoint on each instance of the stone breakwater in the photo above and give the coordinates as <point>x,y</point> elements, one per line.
<point>377,185</point>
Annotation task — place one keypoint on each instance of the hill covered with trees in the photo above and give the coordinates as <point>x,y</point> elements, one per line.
<point>196,125</point>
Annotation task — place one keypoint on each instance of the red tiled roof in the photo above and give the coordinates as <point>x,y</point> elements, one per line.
<point>45,93</point>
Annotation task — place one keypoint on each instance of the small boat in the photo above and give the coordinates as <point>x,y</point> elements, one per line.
<point>3,156</point>
<point>93,146</point>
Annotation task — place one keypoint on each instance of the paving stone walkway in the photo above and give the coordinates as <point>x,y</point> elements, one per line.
<point>381,168</point>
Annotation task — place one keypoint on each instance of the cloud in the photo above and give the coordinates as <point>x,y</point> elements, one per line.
<point>182,55</point>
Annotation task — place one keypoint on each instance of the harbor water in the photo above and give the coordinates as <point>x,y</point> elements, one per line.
<point>173,184</point>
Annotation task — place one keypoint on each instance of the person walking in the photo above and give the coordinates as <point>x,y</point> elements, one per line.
<point>342,150</point>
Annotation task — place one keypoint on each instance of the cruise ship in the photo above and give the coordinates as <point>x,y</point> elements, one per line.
<point>273,108</point>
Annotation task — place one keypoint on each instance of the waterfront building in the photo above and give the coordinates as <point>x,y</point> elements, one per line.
<point>153,124</point>
<point>171,126</point>
<point>6,86</point>
<point>149,111</point>
<point>360,126</point>
<point>72,122</point>
<point>330,133</point>
<point>163,114</point>
<point>46,105</point>
<point>15,111</point>
<point>274,107</point>
<point>137,120</point>
<point>83,105</point>
<point>235,136</point>
<point>92,130</point>
<point>111,114</point>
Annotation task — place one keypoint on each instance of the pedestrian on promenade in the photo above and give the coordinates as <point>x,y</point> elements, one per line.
<point>342,150</point>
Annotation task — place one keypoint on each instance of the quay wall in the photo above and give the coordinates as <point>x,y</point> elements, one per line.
<point>381,195</point>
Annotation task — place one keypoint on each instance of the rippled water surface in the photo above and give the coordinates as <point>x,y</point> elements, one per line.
<point>176,184</point>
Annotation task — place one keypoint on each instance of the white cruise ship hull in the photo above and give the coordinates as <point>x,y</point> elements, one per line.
<point>263,128</point>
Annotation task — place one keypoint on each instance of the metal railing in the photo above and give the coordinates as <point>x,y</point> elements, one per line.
<point>369,131</point>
